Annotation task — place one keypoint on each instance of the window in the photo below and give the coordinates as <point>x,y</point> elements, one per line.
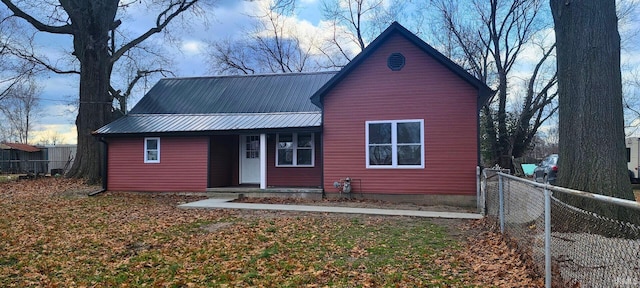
<point>252,147</point>
<point>628,155</point>
<point>295,149</point>
<point>395,144</point>
<point>151,150</point>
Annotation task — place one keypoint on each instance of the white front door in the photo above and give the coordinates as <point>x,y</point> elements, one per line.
<point>250,159</point>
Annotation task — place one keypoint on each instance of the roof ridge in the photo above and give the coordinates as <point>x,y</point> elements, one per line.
<point>250,75</point>
<point>221,114</point>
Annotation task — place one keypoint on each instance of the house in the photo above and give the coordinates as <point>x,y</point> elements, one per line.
<point>400,121</point>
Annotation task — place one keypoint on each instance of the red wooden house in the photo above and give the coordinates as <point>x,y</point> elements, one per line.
<point>401,120</point>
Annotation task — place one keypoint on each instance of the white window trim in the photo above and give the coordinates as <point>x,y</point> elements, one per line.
<point>145,150</point>
<point>394,145</point>
<point>295,150</point>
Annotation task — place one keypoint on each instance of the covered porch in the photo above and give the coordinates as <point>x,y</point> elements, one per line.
<point>273,161</point>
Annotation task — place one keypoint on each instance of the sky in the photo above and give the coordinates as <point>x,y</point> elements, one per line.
<point>225,20</point>
<point>187,49</point>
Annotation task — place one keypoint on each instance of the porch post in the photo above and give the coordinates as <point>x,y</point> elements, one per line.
<point>263,161</point>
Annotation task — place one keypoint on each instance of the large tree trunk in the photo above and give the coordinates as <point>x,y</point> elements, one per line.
<point>91,22</point>
<point>591,124</point>
<point>94,112</point>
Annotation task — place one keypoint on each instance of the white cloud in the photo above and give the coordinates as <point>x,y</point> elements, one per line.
<point>65,133</point>
<point>56,114</point>
<point>532,51</point>
<point>192,47</point>
<point>309,35</point>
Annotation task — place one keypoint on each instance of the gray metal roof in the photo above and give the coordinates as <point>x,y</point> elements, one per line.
<point>163,123</point>
<point>289,92</point>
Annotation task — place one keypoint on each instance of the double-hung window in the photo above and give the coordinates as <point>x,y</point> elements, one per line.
<point>395,144</point>
<point>295,149</point>
<point>151,150</point>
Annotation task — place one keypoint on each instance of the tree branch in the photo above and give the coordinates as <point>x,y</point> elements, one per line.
<point>162,21</point>
<point>65,29</point>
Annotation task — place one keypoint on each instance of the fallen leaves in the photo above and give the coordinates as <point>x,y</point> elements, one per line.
<point>493,262</point>
<point>51,237</point>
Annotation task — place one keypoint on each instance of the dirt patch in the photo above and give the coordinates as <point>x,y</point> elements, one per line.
<point>213,227</point>
<point>80,192</point>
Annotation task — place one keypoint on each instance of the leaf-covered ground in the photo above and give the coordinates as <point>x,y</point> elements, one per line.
<point>51,237</point>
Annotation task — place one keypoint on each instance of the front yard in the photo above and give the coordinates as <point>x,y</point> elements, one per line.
<point>54,237</point>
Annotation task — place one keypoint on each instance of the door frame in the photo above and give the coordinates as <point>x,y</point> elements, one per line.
<point>242,153</point>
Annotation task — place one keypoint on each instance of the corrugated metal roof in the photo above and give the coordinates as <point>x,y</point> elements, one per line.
<point>162,123</point>
<point>18,146</point>
<point>290,92</point>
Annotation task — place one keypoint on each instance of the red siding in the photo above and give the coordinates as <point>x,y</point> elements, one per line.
<point>293,176</point>
<point>423,89</point>
<point>182,167</point>
<point>223,166</point>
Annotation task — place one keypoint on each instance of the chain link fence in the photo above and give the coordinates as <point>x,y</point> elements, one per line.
<point>35,167</point>
<point>567,245</point>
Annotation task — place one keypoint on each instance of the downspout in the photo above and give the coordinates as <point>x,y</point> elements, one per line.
<point>324,193</point>
<point>321,148</point>
<point>104,167</point>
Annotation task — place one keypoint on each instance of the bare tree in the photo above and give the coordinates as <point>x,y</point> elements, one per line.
<point>488,38</point>
<point>20,109</point>
<point>628,16</point>
<point>355,23</point>
<point>92,24</point>
<point>13,69</point>
<point>51,138</point>
<point>591,124</point>
<point>271,45</point>
<point>631,102</point>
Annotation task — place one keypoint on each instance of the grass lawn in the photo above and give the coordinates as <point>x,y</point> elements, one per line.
<point>7,178</point>
<point>53,239</point>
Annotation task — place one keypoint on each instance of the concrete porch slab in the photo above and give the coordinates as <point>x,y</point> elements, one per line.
<point>255,189</point>
<point>221,203</point>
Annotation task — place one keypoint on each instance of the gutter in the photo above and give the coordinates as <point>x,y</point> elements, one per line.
<point>104,168</point>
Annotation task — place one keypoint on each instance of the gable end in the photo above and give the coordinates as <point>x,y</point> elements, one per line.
<point>484,92</point>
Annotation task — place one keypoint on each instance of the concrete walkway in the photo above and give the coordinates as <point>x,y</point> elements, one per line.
<point>214,203</point>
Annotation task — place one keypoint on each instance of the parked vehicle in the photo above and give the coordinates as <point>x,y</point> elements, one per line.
<point>547,170</point>
<point>633,158</point>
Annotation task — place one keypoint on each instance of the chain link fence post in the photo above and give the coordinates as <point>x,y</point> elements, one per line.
<point>501,203</point>
<point>547,237</point>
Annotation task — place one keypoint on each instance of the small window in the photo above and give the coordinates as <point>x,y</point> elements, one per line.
<point>295,149</point>
<point>628,155</point>
<point>151,150</point>
<point>395,144</point>
<point>252,147</point>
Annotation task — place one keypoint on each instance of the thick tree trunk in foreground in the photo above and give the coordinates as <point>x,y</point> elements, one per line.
<point>94,112</point>
<point>591,124</point>
<point>91,23</point>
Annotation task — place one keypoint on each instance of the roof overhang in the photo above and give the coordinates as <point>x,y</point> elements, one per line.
<point>175,124</point>
<point>19,147</point>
